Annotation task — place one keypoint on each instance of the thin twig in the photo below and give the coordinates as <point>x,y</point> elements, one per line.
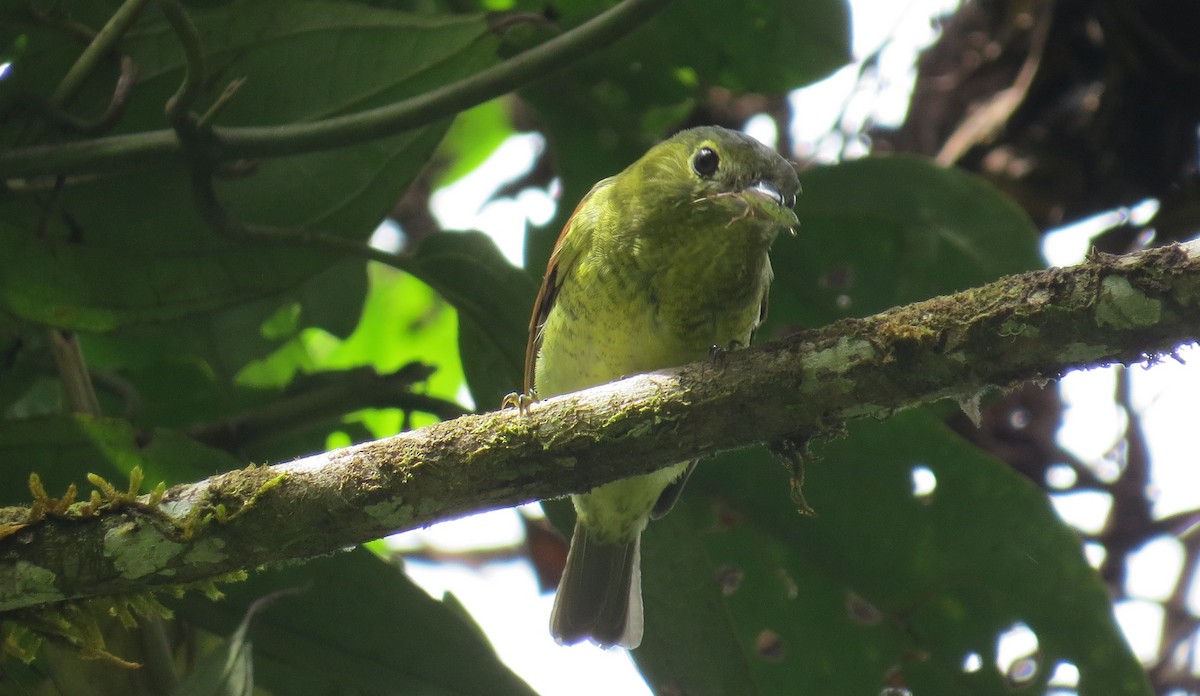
<point>353,391</point>
<point>179,106</point>
<point>78,391</point>
<point>158,148</point>
<point>112,113</point>
<point>987,120</point>
<point>220,102</point>
<point>219,219</point>
<point>100,46</point>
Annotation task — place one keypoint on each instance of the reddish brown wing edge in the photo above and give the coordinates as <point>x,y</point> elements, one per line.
<point>545,301</point>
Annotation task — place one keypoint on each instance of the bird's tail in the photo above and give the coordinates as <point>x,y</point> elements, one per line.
<point>600,594</point>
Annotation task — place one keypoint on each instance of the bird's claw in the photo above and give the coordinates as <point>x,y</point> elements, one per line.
<point>717,353</point>
<point>519,400</point>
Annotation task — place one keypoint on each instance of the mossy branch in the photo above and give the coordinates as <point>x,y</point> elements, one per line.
<point>1111,309</point>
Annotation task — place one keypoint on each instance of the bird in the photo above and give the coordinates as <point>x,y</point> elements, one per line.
<point>658,266</point>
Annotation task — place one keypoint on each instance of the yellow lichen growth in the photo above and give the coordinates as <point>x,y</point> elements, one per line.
<point>156,495</point>
<point>108,490</point>
<point>209,587</point>
<point>77,625</point>
<point>114,497</point>
<point>194,522</point>
<point>104,496</point>
<point>43,504</point>
<point>899,331</point>
<point>223,515</point>
<point>92,507</point>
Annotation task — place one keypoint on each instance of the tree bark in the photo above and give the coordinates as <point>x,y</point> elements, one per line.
<point>1127,309</point>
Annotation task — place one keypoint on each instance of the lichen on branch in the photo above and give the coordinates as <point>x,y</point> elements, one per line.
<point>1110,309</point>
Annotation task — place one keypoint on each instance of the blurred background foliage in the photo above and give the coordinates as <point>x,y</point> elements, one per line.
<point>933,539</point>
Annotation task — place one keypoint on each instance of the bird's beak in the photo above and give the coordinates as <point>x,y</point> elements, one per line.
<point>765,201</point>
<point>770,190</point>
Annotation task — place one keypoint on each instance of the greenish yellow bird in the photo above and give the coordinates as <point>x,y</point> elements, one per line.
<point>656,267</point>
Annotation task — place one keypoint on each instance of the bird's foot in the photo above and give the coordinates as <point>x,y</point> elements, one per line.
<point>519,400</point>
<point>717,353</point>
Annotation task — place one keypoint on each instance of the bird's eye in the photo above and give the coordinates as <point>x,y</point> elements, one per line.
<point>706,161</point>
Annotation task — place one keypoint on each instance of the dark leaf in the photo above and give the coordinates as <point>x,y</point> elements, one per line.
<point>493,299</point>
<point>882,586</point>
<point>358,626</point>
<point>105,252</point>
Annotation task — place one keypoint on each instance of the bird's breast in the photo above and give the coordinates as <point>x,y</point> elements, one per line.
<point>611,320</point>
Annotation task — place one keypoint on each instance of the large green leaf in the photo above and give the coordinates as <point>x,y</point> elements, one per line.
<point>25,365</point>
<point>882,586</point>
<point>120,249</point>
<point>885,231</point>
<point>220,343</point>
<point>356,625</point>
<point>766,46</point>
<point>197,371</point>
<point>493,299</point>
<point>619,102</point>
<point>226,671</point>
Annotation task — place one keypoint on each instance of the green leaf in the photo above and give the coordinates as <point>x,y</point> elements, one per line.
<point>881,586</point>
<point>607,110</point>
<point>217,345</point>
<point>886,231</point>
<point>226,671</point>
<point>358,626</point>
<point>196,371</point>
<point>493,299</point>
<point>113,250</point>
<point>64,449</point>
<point>402,320</point>
<point>25,365</point>
<point>767,46</point>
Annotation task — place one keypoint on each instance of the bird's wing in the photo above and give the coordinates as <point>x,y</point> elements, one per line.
<point>764,303</point>
<point>573,239</point>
